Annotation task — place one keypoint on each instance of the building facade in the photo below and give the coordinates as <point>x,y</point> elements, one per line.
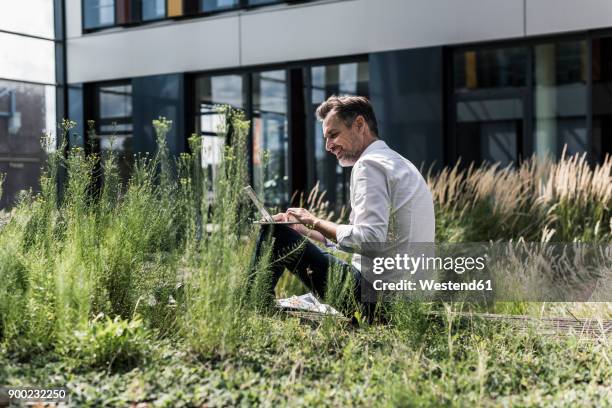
<point>27,92</point>
<point>476,80</point>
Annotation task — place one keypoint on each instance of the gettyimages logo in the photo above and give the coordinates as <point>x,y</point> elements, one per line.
<point>412,264</point>
<point>485,272</point>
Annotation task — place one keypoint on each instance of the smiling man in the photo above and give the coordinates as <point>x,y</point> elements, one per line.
<point>390,201</point>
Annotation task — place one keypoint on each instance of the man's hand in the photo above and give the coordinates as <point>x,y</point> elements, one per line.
<point>305,217</point>
<point>284,217</point>
<point>302,215</point>
<point>280,217</point>
<point>323,229</point>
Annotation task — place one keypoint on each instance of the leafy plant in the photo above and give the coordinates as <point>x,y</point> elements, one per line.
<point>112,344</point>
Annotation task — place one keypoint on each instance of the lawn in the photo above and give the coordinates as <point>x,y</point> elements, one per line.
<point>120,293</point>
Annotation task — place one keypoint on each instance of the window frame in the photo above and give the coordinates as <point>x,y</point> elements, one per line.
<point>94,94</point>
<point>450,139</point>
<point>246,75</point>
<point>188,12</point>
<point>141,20</point>
<point>85,29</point>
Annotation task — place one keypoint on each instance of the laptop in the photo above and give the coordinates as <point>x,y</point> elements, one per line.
<point>266,217</point>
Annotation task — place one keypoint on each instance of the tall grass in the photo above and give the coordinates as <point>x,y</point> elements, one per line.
<point>100,274</point>
<point>93,245</point>
<point>540,200</point>
<point>567,200</point>
<point>217,296</point>
<point>161,249</point>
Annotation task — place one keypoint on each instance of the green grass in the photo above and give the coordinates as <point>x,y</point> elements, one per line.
<point>297,365</point>
<point>121,292</point>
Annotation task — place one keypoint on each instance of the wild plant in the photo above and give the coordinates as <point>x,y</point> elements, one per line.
<point>564,201</point>
<point>216,295</point>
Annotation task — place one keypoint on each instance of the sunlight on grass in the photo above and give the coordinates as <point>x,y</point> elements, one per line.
<point>142,290</point>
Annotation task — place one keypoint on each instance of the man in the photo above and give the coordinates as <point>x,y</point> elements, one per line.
<point>390,201</point>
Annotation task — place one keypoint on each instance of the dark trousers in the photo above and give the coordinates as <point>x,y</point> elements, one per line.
<point>292,251</point>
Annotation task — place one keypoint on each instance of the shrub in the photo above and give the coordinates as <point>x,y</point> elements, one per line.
<point>112,344</point>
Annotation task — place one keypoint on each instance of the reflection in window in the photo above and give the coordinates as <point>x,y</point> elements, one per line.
<point>222,90</point>
<point>99,13</point>
<point>270,136</point>
<point>210,92</point>
<point>490,68</point>
<point>114,122</point>
<point>326,80</point>
<point>217,5</point>
<point>175,8</point>
<point>26,111</point>
<point>560,98</point>
<point>489,130</point>
<point>125,12</point>
<point>602,97</point>
<point>105,13</point>
<point>490,86</point>
<point>153,9</point>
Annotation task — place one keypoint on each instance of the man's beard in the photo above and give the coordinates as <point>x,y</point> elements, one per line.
<point>348,159</point>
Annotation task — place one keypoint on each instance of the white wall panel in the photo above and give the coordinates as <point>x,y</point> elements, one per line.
<point>361,26</point>
<point>286,33</point>
<point>310,31</point>
<point>73,18</point>
<point>33,17</point>
<point>27,59</point>
<point>550,16</point>
<point>398,24</point>
<point>150,50</point>
<point>315,30</point>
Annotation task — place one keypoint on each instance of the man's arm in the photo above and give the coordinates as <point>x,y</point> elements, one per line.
<point>300,228</point>
<point>371,211</point>
<point>321,230</point>
<point>370,207</point>
<point>325,228</point>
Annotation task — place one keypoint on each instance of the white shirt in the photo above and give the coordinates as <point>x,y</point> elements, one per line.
<point>384,186</point>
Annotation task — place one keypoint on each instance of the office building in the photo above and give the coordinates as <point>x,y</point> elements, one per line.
<point>480,80</point>
<point>27,91</point>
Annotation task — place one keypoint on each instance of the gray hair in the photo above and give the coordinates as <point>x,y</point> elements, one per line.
<point>348,108</point>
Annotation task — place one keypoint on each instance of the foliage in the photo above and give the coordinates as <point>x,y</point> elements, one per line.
<point>297,365</point>
<point>101,275</point>
<point>113,344</point>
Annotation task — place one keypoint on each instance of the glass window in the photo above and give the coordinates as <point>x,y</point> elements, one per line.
<point>34,17</point>
<point>153,9</point>
<point>99,13</point>
<point>270,136</point>
<point>489,130</point>
<point>212,91</point>
<point>326,80</point>
<point>175,8</point>
<point>490,68</point>
<point>125,11</point>
<point>490,92</point>
<point>216,5</point>
<point>114,122</point>
<point>560,98</point>
<point>26,112</point>
<point>602,97</point>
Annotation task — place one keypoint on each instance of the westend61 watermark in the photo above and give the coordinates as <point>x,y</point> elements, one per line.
<point>413,264</point>
<point>483,272</point>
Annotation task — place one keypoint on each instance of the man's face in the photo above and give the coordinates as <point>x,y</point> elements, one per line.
<point>343,141</point>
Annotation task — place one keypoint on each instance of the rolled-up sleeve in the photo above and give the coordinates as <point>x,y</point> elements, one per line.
<point>371,206</point>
